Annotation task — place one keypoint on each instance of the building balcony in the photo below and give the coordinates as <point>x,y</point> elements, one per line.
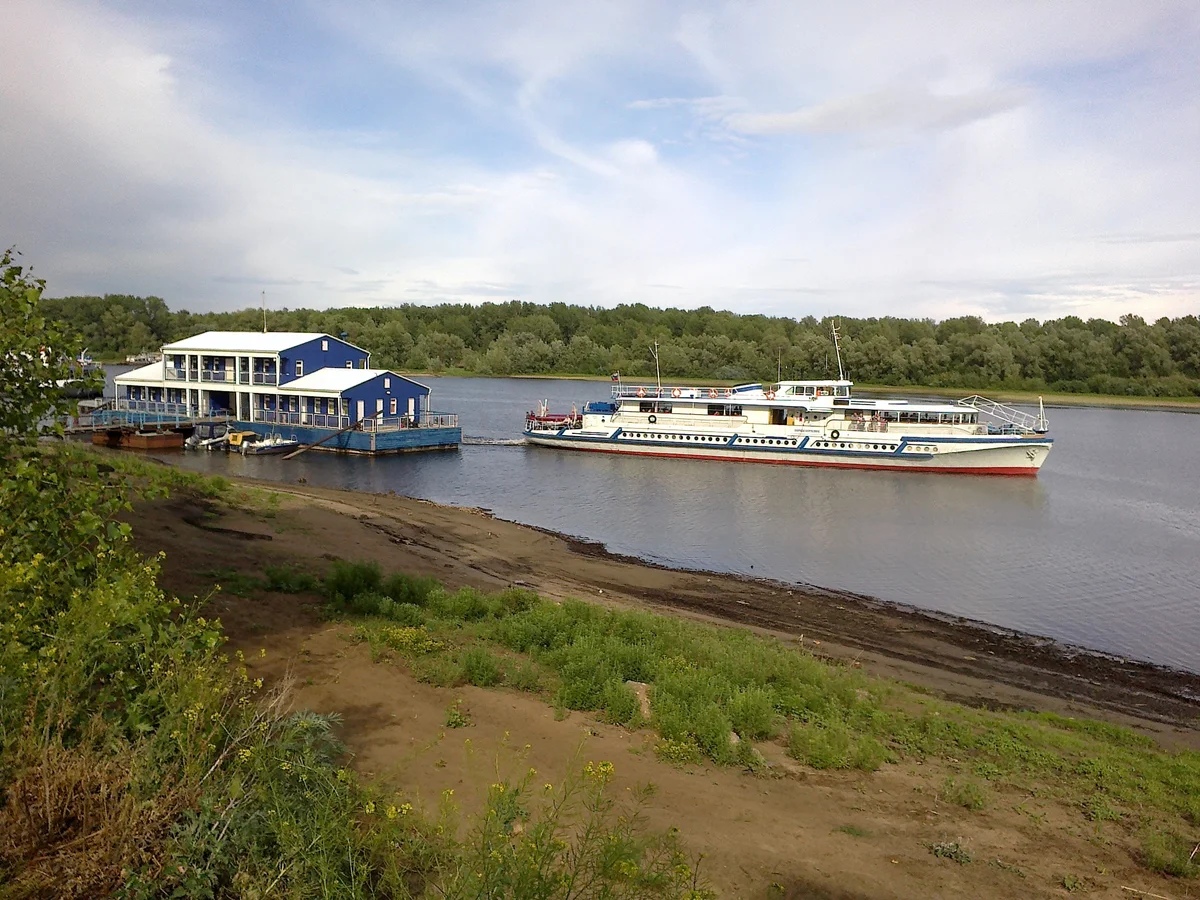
<point>265,378</point>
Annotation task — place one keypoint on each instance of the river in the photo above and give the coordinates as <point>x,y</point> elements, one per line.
<point>1101,550</point>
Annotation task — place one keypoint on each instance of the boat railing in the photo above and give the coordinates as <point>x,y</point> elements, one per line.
<point>669,392</point>
<point>1023,422</point>
<point>438,420</point>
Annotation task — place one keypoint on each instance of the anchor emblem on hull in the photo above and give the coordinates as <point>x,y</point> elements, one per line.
<point>1032,454</point>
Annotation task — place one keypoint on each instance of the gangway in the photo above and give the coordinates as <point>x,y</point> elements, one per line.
<point>1027,423</point>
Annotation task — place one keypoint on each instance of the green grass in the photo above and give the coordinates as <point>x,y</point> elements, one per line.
<point>708,683</point>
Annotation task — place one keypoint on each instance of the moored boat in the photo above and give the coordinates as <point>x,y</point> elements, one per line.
<point>802,423</point>
<point>272,443</point>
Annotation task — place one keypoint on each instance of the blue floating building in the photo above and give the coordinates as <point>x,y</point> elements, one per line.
<point>317,387</point>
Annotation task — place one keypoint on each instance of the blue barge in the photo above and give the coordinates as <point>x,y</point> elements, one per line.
<point>315,387</point>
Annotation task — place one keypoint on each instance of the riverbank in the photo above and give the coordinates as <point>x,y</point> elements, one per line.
<point>962,660</point>
<point>942,823</point>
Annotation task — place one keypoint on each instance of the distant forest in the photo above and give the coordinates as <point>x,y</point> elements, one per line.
<point>1134,357</point>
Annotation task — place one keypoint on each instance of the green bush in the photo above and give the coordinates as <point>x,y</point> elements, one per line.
<point>285,580</point>
<point>346,580</point>
<point>620,703</point>
<point>834,746</point>
<point>524,675</point>
<point>480,668</point>
<point>412,589</point>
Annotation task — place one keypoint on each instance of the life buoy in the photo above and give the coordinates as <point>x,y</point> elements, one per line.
<point>712,393</point>
<point>676,393</point>
<point>835,434</point>
<point>652,418</point>
<point>641,392</point>
<point>770,395</point>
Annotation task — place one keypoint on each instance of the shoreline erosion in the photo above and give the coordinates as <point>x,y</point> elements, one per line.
<point>960,659</point>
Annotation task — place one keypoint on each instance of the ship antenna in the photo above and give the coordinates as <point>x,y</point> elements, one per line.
<point>838,350</point>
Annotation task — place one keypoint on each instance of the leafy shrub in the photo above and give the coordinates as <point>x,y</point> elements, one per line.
<point>524,676</point>
<point>620,703</point>
<point>285,580</point>
<point>967,794</point>
<point>480,667</point>
<point>456,716</point>
<point>834,746</point>
<point>413,589</point>
<point>678,752</point>
<point>1169,854</point>
<point>752,713</point>
<point>346,580</point>
<point>411,641</point>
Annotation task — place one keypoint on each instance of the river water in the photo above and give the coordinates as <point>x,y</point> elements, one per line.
<point>1101,550</point>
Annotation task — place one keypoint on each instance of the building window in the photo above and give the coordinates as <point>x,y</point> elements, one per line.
<point>393,409</point>
<point>325,346</point>
<point>299,368</point>
<point>387,384</point>
<point>362,363</point>
<point>349,364</point>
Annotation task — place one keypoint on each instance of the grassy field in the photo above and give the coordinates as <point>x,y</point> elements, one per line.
<point>716,692</point>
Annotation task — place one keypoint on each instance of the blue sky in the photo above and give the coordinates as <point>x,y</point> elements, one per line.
<point>931,159</point>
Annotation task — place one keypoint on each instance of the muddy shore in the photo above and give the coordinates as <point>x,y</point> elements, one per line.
<point>960,659</point>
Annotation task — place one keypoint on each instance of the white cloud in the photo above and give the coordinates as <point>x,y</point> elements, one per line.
<point>865,158</point>
<point>892,109</point>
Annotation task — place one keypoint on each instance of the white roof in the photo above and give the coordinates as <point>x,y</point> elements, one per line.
<point>152,372</point>
<point>333,380</point>
<point>244,341</point>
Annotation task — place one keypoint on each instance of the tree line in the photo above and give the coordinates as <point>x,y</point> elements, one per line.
<point>1132,357</point>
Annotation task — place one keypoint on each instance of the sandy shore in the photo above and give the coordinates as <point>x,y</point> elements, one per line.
<point>956,658</point>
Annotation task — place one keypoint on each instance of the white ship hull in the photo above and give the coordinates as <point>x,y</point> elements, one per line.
<point>983,455</point>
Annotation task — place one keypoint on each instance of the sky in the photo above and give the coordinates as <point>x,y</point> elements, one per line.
<point>921,159</point>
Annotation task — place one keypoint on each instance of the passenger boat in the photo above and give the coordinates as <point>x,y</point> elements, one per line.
<point>802,423</point>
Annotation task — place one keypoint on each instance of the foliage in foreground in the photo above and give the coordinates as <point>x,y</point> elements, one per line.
<point>135,759</point>
<point>707,684</point>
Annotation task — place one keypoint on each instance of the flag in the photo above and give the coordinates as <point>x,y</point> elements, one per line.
<point>616,376</point>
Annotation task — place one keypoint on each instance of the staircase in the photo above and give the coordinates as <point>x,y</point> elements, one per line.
<point>1023,422</point>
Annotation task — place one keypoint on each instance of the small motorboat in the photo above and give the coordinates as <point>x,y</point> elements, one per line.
<point>272,443</point>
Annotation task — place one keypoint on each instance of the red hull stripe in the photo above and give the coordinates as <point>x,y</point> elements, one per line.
<point>1026,471</point>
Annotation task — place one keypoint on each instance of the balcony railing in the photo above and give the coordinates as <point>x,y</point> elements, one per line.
<point>311,420</point>
<point>265,378</point>
<point>176,375</point>
<point>216,376</point>
<point>372,425</point>
<point>156,406</point>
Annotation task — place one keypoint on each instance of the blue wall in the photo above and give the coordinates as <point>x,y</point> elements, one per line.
<point>401,389</point>
<point>314,358</point>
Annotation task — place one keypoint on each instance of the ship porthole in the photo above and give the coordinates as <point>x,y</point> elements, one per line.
<point>835,434</point>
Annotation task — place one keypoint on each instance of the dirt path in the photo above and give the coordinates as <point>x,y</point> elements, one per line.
<point>812,834</point>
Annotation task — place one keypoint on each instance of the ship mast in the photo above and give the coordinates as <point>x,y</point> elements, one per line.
<point>838,350</point>
<point>657,371</point>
